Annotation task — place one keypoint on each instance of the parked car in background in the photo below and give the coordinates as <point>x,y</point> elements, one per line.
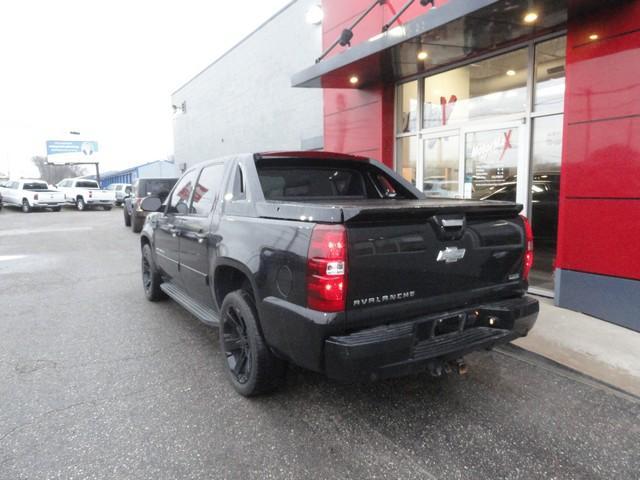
<point>337,264</point>
<point>545,193</point>
<point>121,191</point>
<point>85,193</point>
<point>144,187</point>
<point>31,194</point>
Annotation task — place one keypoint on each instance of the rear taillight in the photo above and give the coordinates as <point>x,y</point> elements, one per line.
<point>35,197</point>
<point>528,253</point>
<point>327,268</point>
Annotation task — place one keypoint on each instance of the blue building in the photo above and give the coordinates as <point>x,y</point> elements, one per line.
<point>156,169</point>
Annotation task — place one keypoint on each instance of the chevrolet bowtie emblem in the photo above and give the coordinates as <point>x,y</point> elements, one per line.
<point>451,254</point>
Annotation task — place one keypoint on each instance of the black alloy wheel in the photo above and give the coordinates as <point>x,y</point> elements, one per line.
<point>151,278</point>
<point>237,349</point>
<point>251,366</point>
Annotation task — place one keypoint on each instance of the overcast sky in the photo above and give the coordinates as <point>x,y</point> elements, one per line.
<point>107,69</point>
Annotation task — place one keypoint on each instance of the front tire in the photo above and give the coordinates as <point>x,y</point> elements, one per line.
<point>137,223</point>
<point>151,278</point>
<point>26,208</point>
<point>250,365</point>
<point>80,204</point>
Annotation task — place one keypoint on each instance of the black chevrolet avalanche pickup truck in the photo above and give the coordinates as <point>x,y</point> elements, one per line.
<point>336,264</point>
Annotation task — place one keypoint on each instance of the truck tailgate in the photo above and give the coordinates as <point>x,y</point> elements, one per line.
<point>430,256</point>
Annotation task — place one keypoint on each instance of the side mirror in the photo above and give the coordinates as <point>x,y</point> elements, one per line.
<point>151,204</point>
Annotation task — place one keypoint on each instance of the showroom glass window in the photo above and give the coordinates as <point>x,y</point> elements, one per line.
<point>478,91</point>
<point>407,126</point>
<point>479,123</point>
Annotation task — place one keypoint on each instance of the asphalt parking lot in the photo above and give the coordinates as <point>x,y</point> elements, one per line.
<point>96,382</point>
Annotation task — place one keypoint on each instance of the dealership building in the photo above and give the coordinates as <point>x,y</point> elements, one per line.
<point>534,101</point>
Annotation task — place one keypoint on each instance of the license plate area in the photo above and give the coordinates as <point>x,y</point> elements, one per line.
<point>440,326</point>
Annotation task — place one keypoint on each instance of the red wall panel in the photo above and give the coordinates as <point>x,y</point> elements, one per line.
<point>604,237</point>
<point>600,194</point>
<point>361,120</point>
<point>604,78</point>
<point>602,159</point>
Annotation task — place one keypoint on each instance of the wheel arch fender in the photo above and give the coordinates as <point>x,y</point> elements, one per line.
<point>227,275</point>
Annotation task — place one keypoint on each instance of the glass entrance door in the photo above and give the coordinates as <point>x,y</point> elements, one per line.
<point>441,165</point>
<point>492,157</point>
<point>478,163</point>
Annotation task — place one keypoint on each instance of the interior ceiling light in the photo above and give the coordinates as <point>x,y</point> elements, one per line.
<point>315,15</point>
<point>594,36</point>
<point>422,55</point>
<point>530,17</point>
<point>353,80</point>
<point>511,73</point>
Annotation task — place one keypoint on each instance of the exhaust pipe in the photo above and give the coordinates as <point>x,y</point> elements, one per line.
<point>461,367</point>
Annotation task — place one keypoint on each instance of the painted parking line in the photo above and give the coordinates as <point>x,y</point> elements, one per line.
<point>30,231</point>
<point>5,258</point>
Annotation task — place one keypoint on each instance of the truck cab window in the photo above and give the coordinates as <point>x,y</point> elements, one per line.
<point>207,190</point>
<point>182,193</point>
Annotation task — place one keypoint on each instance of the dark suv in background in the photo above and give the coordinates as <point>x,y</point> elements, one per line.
<point>142,188</point>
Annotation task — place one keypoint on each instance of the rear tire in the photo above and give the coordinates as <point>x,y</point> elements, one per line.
<point>56,209</point>
<point>107,208</point>
<point>151,278</point>
<point>127,217</point>
<point>250,365</point>
<point>26,208</point>
<point>137,223</point>
<point>80,204</point>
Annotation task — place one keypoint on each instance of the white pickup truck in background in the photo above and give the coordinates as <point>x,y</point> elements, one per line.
<point>31,194</point>
<point>85,193</point>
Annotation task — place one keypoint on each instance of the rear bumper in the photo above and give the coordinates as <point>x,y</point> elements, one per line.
<point>414,346</point>
<point>45,204</point>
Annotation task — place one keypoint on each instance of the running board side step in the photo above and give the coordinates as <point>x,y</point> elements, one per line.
<point>201,312</point>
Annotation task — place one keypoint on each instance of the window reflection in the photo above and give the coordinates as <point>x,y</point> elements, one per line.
<point>491,161</point>
<point>492,87</point>
<point>407,120</point>
<point>441,156</point>
<point>406,158</point>
<point>550,74</point>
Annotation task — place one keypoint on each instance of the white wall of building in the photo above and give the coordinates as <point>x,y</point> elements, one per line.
<point>244,101</point>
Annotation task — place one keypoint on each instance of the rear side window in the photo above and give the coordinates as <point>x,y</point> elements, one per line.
<point>158,187</point>
<point>35,186</point>
<point>86,184</point>
<point>207,190</point>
